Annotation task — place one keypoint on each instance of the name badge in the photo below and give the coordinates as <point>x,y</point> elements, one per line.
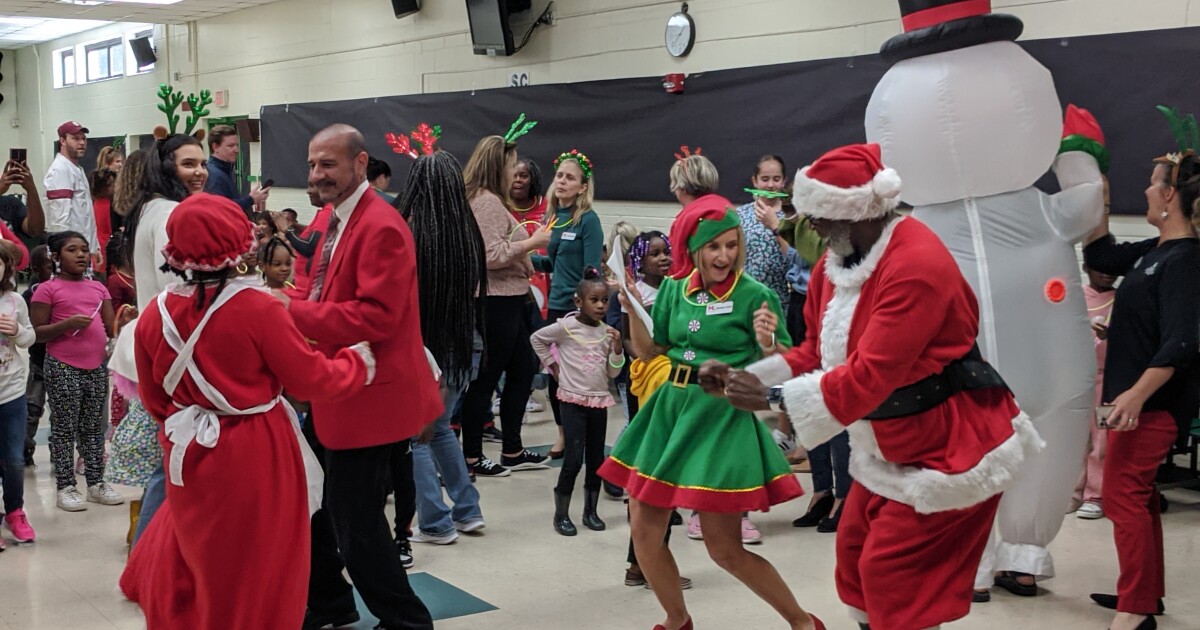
<point>568,236</point>
<point>720,308</point>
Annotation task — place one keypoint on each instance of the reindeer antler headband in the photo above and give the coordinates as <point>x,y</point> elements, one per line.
<point>420,141</point>
<point>171,100</point>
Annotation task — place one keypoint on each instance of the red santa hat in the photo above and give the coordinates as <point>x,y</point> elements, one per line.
<point>208,233</point>
<point>849,183</point>
<point>698,223</point>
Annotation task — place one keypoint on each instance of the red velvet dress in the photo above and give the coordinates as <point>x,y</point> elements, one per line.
<point>230,548</point>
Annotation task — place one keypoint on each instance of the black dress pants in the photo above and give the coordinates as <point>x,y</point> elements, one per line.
<point>351,532</point>
<point>506,351</point>
<point>404,486</point>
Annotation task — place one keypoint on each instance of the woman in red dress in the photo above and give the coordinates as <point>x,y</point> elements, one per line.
<point>230,547</point>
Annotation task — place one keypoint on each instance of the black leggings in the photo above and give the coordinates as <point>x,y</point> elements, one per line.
<point>584,429</point>
<point>552,316</point>
<point>507,351</point>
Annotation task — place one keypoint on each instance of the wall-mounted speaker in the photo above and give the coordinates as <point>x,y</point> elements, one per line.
<point>405,8</point>
<point>143,51</point>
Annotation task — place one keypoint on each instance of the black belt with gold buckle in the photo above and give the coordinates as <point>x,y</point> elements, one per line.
<point>683,375</point>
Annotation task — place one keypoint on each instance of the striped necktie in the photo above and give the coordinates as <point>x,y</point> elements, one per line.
<point>331,234</point>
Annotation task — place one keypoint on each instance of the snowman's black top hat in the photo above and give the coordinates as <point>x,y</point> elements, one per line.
<point>934,26</point>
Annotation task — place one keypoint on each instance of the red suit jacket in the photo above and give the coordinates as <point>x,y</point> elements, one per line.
<point>900,315</point>
<point>370,294</point>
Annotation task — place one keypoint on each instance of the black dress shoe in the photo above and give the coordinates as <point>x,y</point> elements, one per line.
<point>316,621</point>
<point>981,597</point>
<point>816,513</point>
<point>829,524</point>
<point>1008,581</point>
<point>1147,624</point>
<point>1110,602</point>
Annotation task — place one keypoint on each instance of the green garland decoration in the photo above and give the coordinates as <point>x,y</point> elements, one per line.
<point>1184,128</point>
<point>769,194</point>
<point>519,128</point>
<point>585,163</point>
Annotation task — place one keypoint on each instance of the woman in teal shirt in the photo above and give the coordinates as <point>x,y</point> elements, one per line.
<point>576,243</point>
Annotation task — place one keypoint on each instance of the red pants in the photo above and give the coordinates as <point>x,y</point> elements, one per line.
<point>1131,503</point>
<point>909,571</point>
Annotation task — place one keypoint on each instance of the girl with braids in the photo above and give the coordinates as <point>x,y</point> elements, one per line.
<point>234,447</point>
<point>275,261</point>
<point>589,353</point>
<point>1151,389</point>
<point>649,262</point>
<point>451,272</point>
<point>576,243</point>
<point>488,179</point>
<point>71,314</point>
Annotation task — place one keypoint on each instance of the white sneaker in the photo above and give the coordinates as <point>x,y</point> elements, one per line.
<point>785,443</point>
<point>1090,511</point>
<point>69,500</point>
<point>104,494</point>
<point>421,537</point>
<point>534,406</point>
<point>468,527</point>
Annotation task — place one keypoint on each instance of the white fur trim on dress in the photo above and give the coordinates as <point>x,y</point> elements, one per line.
<point>929,491</point>
<point>771,371</point>
<point>860,203</point>
<point>814,424</point>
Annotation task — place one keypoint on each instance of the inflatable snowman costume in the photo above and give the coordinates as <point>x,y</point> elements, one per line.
<point>970,121</point>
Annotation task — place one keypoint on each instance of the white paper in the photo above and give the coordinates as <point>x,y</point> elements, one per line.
<point>615,265</point>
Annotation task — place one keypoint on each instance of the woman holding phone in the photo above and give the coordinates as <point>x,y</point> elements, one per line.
<point>1150,376</point>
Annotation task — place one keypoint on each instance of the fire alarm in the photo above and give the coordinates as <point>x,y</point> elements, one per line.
<point>673,83</point>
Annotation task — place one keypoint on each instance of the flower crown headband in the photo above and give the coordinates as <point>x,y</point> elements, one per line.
<point>171,100</point>
<point>1187,136</point>
<point>420,141</point>
<point>585,163</point>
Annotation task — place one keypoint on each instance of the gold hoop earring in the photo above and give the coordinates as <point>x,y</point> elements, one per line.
<point>243,269</point>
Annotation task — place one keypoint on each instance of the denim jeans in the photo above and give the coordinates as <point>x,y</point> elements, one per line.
<point>13,416</point>
<point>152,499</point>
<point>830,464</point>
<point>443,454</point>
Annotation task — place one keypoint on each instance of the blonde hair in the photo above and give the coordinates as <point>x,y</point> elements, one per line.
<point>628,233</point>
<point>694,175</point>
<point>583,203</point>
<point>106,157</point>
<point>487,168</point>
<point>739,265</point>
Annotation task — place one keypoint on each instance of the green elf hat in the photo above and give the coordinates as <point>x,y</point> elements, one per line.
<point>698,223</point>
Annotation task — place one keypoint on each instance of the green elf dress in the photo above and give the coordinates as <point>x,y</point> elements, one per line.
<point>686,448</point>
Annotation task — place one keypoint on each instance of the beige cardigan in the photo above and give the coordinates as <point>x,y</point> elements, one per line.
<point>509,267</point>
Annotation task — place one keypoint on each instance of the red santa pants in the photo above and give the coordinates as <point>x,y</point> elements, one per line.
<point>1131,503</point>
<point>909,571</point>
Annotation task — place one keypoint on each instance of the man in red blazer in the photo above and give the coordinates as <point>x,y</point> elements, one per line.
<point>364,288</point>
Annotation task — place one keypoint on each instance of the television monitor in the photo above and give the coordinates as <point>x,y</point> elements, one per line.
<point>490,32</point>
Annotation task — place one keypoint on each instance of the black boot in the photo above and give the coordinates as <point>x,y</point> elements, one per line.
<point>591,520</point>
<point>562,520</point>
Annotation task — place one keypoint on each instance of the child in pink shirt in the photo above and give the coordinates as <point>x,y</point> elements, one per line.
<point>589,354</point>
<point>1099,293</point>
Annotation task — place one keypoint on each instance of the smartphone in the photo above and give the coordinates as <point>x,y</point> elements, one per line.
<point>18,155</point>
<point>267,184</point>
<point>1103,412</point>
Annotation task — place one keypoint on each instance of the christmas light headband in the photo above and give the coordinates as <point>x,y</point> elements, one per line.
<point>686,153</point>
<point>519,128</point>
<point>1187,136</point>
<point>420,141</point>
<point>585,164</point>
<point>171,100</point>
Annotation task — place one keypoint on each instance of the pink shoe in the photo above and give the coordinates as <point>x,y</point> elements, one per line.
<point>18,524</point>
<point>694,527</point>
<point>750,533</point>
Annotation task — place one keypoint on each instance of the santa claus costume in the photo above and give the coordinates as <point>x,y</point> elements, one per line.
<point>935,434</point>
<point>232,447</point>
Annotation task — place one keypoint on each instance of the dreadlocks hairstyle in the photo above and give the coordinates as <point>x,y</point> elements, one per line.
<point>200,280</point>
<point>535,177</point>
<point>591,278</point>
<point>641,247</point>
<point>451,266</point>
<point>159,179</point>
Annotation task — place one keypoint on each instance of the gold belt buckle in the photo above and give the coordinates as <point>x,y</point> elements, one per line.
<point>681,375</point>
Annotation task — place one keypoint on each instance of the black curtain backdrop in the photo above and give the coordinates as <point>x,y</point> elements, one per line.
<point>94,145</point>
<point>631,128</point>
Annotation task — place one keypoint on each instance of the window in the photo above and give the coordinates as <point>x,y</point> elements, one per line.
<point>66,65</point>
<point>105,60</point>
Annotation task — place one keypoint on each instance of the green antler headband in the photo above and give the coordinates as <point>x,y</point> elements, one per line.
<point>171,100</point>
<point>1187,136</point>
<point>519,128</point>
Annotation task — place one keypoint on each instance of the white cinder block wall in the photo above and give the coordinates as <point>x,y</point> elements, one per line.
<point>319,50</point>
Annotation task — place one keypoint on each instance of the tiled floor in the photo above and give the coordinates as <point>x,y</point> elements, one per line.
<point>538,579</point>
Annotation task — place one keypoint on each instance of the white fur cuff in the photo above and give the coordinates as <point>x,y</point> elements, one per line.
<point>815,425</point>
<point>773,370</point>
<point>364,350</point>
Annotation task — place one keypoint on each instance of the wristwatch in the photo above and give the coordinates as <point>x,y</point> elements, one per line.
<point>775,399</point>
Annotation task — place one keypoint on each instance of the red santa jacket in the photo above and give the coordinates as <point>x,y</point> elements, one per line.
<point>370,294</point>
<point>899,316</point>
